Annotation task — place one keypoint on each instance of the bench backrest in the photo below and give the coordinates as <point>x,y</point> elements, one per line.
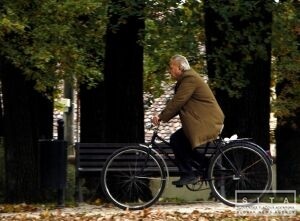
<point>90,157</point>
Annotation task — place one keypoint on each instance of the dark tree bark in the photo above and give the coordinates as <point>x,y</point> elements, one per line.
<point>287,137</point>
<point>28,116</point>
<point>248,116</point>
<point>92,128</point>
<point>113,110</point>
<point>92,114</point>
<point>123,75</point>
<point>1,113</point>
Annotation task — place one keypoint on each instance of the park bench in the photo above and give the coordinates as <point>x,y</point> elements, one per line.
<point>90,159</point>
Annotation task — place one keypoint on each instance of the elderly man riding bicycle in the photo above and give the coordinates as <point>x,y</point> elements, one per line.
<point>200,114</point>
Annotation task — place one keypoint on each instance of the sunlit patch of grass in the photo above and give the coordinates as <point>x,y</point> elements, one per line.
<point>172,200</point>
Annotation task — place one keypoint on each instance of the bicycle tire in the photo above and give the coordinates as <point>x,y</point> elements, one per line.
<point>138,173</point>
<point>239,167</point>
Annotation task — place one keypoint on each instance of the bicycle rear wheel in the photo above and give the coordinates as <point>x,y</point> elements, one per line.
<point>133,178</point>
<point>239,167</point>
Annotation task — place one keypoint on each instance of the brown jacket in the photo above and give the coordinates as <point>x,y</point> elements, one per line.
<point>201,116</point>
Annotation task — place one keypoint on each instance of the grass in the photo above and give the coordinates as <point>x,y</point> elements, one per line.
<point>172,200</point>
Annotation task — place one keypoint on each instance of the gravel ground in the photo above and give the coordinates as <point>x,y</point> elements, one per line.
<point>206,207</point>
<point>108,212</point>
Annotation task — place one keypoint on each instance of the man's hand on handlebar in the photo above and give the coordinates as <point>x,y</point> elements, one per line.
<point>155,120</point>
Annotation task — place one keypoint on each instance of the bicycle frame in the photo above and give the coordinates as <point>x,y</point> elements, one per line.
<point>154,147</point>
<point>221,168</point>
<point>217,143</point>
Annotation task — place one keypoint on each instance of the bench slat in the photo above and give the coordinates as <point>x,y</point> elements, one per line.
<point>124,163</point>
<point>94,157</point>
<point>119,169</point>
<point>90,157</point>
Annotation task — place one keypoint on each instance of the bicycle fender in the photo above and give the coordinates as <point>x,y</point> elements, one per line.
<point>247,140</point>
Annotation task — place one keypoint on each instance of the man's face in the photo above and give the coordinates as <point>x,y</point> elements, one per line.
<point>174,69</point>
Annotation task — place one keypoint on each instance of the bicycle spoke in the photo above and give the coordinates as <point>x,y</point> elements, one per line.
<point>239,166</point>
<point>253,164</point>
<point>141,168</point>
<point>150,178</point>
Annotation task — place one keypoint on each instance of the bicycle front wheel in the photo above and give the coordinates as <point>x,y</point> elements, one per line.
<point>240,173</point>
<point>133,178</point>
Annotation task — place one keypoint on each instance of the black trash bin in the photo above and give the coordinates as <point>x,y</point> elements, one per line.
<point>53,166</point>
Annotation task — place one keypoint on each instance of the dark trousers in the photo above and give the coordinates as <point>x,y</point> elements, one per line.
<point>184,154</point>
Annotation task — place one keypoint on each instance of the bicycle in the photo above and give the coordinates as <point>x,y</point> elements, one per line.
<point>233,165</point>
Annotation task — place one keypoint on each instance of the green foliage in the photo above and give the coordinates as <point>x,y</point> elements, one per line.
<point>245,38</point>
<point>171,28</point>
<point>286,56</point>
<point>54,40</point>
<point>125,9</point>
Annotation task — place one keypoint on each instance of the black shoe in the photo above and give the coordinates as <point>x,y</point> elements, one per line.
<point>186,180</point>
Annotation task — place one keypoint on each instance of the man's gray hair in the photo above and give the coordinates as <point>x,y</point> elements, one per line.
<point>184,64</point>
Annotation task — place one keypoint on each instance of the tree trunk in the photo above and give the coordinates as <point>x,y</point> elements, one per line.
<point>287,135</point>
<point>28,116</point>
<point>91,114</point>
<point>113,110</point>
<point>1,112</point>
<point>123,75</point>
<point>248,115</point>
